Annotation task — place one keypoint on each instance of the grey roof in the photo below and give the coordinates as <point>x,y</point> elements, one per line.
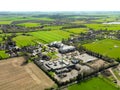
<point>66,49</point>
<point>86,58</point>
<point>58,64</point>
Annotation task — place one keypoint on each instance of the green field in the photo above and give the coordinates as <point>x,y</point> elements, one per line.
<point>3,54</point>
<point>5,22</point>
<point>9,19</point>
<point>78,22</point>
<point>1,39</point>
<point>107,47</point>
<point>105,19</point>
<point>77,30</point>
<point>53,27</point>
<point>45,19</point>
<point>28,24</point>
<point>104,26</point>
<point>50,36</point>
<point>15,17</point>
<point>24,40</point>
<point>95,83</point>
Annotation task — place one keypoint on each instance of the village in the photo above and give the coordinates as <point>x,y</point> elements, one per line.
<point>66,62</point>
<point>63,61</point>
<point>70,64</point>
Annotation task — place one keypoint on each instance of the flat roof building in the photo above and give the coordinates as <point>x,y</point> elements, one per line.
<point>86,58</point>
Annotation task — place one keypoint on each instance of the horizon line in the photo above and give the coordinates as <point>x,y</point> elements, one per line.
<point>67,11</point>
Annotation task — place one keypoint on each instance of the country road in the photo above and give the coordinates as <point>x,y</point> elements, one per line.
<point>118,81</point>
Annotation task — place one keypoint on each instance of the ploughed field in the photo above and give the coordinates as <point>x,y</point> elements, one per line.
<point>14,75</point>
<point>106,47</point>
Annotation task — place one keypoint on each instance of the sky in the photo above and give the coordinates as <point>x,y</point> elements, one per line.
<point>59,5</point>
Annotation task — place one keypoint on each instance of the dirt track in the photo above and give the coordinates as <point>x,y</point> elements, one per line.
<point>13,76</point>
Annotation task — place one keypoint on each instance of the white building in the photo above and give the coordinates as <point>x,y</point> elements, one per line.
<point>66,49</point>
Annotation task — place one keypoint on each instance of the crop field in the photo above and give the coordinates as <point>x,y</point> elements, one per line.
<point>78,22</point>
<point>53,27</point>
<point>9,19</point>
<point>104,26</point>
<point>107,47</point>
<point>77,30</point>
<point>45,19</point>
<point>14,18</point>
<point>5,22</point>
<point>28,24</point>
<point>99,20</point>
<point>95,83</point>
<point>105,19</point>
<point>24,40</point>
<point>50,36</point>
<point>16,76</point>
<point>0,38</point>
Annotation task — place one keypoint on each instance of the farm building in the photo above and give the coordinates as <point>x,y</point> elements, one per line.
<point>56,44</point>
<point>58,66</point>
<point>55,65</point>
<point>66,49</point>
<point>62,47</point>
<point>86,58</point>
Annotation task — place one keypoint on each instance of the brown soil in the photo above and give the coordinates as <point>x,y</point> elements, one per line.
<point>15,76</point>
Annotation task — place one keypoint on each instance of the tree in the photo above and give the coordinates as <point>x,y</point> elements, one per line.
<point>118,60</point>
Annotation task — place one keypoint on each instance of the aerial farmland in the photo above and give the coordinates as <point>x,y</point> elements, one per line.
<point>66,51</point>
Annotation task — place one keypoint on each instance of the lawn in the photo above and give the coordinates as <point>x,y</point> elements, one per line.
<point>95,83</point>
<point>77,30</point>
<point>29,24</point>
<point>24,40</point>
<point>107,47</point>
<point>3,54</point>
<point>50,36</point>
<point>104,26</point>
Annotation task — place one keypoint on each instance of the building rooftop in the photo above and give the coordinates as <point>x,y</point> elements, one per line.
<point>86,58</point>
<point>58,64</point>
